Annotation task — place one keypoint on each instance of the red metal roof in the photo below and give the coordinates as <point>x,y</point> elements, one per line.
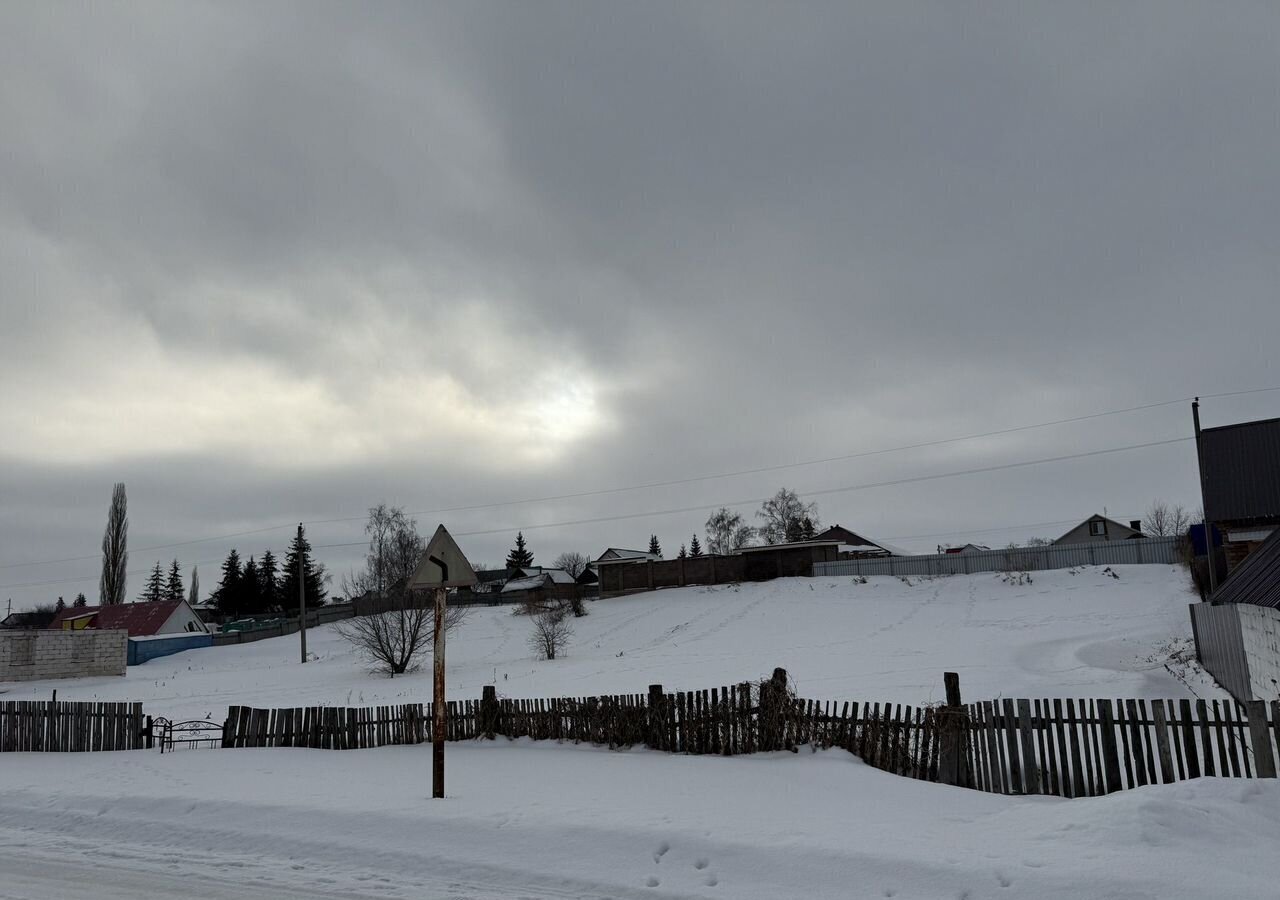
<point>139,619</point>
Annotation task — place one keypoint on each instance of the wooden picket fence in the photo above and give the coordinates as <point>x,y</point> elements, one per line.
<point>50,727</point>
<point>1089,747</point>
<point>1071,748</point>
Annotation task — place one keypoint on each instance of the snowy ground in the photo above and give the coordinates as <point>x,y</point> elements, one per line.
<point>1069,633</point>
<point>535,821</point>
<point>545,821</point>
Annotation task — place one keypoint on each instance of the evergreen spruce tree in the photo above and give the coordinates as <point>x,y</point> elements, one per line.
<point>684,554</point>
<point>80,600</point>
<point>312,575</point>
<point>154,591</point>
<point>250,589</point>
<point>174,589</point>
<point>194,596</point>
<point>269,582</point>
<point>519,557</point>
<point>60,605</point>
<point>695,548</point>
<point>227,595</point>
<point>807,531</point>
<point>654,547</point>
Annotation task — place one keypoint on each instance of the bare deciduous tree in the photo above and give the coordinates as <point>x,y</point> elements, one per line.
<point>726,532</point>
<point>551,632</point>
<point>394,642</point>
<point>572,562</point>
<point>1163,520</point>
<point>395,547</point>
<point>783,515</point>
<point>115,552</point>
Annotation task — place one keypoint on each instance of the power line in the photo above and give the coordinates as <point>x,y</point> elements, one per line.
<point>220,537</point>
<point>935,534</point>
<point>672,482</point>
<point>816,493</point>
<point>93,577</point>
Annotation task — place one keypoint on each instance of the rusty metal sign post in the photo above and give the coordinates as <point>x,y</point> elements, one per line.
<point>439,723</point>
<point>442,567</point>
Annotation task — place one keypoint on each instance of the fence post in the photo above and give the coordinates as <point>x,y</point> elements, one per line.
<point>488,711</point>
<point>1263,760</point>
<point>657,713</point>
<point>953,731</point>
<point>1110,753</point>
<point>773,696</point>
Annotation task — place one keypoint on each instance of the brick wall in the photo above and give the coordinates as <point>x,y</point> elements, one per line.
<point>35,655</point>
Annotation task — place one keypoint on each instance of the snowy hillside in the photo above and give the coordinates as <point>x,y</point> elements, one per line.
<point>1080,633</point>
<point>546,820</point>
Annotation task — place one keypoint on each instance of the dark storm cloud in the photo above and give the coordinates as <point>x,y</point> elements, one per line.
<point>278,262</point>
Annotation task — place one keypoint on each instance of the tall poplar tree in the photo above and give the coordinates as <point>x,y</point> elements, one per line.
<point>115,552</point>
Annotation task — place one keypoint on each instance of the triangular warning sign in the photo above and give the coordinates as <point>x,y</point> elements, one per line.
<point>442,565</point>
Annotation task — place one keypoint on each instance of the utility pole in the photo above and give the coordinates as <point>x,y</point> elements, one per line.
<point>1204,505</point>
<point>437,698</point>
<point>302,600</point>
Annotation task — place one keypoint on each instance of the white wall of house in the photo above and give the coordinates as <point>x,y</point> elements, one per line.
<point>183,620</point>
<point>1260,630</point>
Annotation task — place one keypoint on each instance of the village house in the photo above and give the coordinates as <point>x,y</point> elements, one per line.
<point>1100,528</point>
<point>855,546</point>
<point>139,619</point>
<point>1240,468</point>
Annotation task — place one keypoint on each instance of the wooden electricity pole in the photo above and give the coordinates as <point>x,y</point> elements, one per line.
<point>1204,505</point>
<point>438,701</point>
<point>302,600</point>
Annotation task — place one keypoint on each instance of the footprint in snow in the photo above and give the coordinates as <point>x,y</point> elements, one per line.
<point>652,882</point>
<point>662,850</point>
<point>701,863</point>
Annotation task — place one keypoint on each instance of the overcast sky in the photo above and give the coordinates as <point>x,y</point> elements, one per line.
<point>277,262</point>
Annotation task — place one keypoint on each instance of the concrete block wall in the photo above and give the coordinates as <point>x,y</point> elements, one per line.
<point>1260,634</point>
<point>36,655</point>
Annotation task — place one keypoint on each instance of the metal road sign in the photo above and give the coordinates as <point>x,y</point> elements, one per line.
<point>442,565</point>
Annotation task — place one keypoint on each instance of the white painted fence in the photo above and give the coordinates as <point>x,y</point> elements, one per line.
<point>1137,551</point>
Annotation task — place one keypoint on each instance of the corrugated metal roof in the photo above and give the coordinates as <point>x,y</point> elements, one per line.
<point>1257,579</point>
<point>1242,471</point>
<point>136,618</point>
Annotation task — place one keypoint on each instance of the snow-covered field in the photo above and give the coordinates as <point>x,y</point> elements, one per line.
<point>525,820</point>
<point>1069,633</point>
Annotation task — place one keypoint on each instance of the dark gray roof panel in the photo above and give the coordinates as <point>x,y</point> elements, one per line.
<point>1257,579</point>
<point>1242,471</point>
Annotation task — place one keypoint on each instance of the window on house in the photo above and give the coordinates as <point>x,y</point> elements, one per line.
<point>1098,529</point>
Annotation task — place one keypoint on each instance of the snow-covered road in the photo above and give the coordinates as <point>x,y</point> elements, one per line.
<point>543,821</point>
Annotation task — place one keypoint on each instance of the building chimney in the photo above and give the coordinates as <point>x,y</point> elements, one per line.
<point>1135,524</point>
